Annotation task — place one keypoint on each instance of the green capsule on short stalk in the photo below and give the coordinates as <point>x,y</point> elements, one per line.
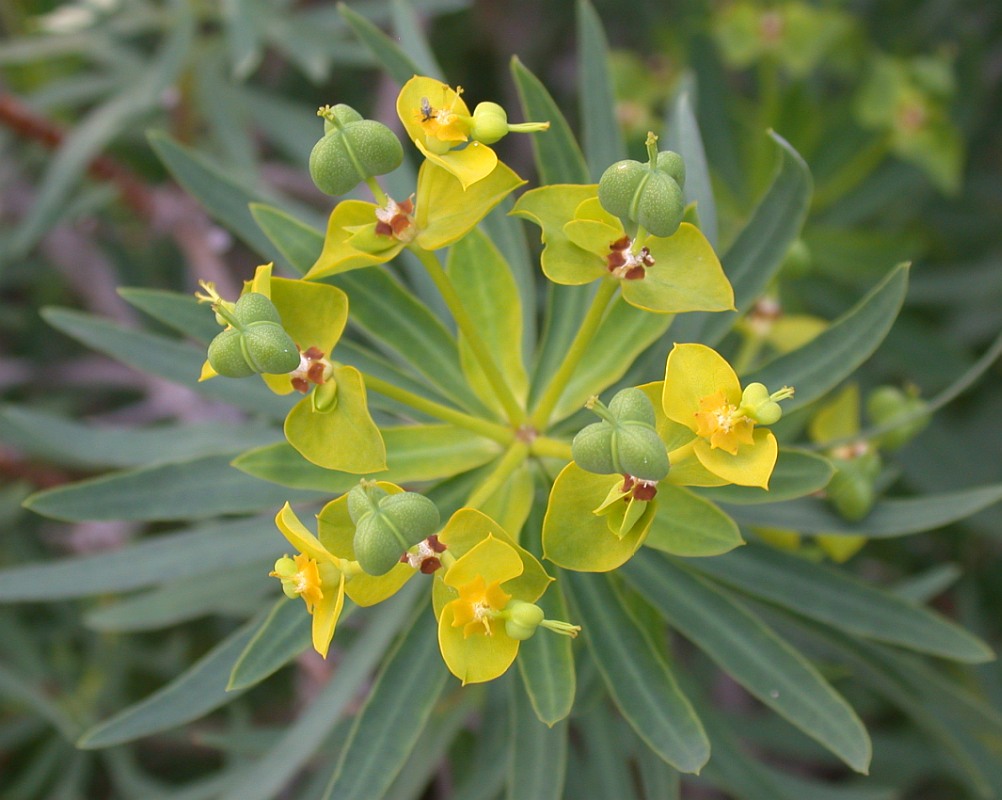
<point>352,150</point>
<point>625,442</point>
<point>256,343</point>
<point>649,195</point>
<point>386,525</point>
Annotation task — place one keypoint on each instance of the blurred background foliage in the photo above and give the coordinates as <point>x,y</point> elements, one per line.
<point>896,106</point>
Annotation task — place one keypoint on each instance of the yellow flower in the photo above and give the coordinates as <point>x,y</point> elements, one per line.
<point>485,601</point>
<point>315,574</point>
<point>702,393</point>
<point>439,123</point>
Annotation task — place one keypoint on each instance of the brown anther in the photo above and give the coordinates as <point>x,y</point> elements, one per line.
<point>430,565</point>
<point>300,385</point>
<point>646,258</point>
<point>614,260</point>
<point>314,353</point>
<point>407,206</point>
<point>621,244</point>
<point>435,544</point>
<point>645,490</point>
<point>635,274</point>
<point>383,229</point>
<point>316,372</point>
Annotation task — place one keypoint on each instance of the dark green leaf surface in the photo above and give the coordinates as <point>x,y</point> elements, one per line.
<point>394,60</point>
<point>889,518</point>
<point>168,358</point>
<point>196,489</point>
<point>836,598</point>
<point>834,354</point>
<point>682,135</point>
<point>603,140</point>
<point>151,562</point>
<point>193,694</point>
<point>688,525</point>
<point>395,713</point>
<point>546,664</point>
<point>537,760</point>
<point>283,635</point>
<point>636,676</point>
<point>181,312</point>
<point>751,653</point>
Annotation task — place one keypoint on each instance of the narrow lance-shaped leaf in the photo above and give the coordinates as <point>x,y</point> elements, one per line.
<point>835,353</point>
<point>283,635</point>
<point>394,714</point>
<point>683,136</point>
<point>751,653</point>
<point>889,518</point>
<point>537,760</point>
<point>603,140</point>
<point>637,677</point>
<point>546,664</point>
<point>395,61</point>
<point>835,598</point>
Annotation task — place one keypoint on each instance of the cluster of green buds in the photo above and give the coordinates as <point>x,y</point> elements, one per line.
<point>254,341</point>
<point>388,525</point>
<point>624,442</point>
<point>352,150</point>
<point>648,195</point>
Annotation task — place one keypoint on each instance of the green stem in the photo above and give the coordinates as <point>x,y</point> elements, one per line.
<point>377,191</point>
<point>466,325</point>
<point>545,447</point>
<point>491,430</point>
<point>589,325</point>
<point>506,465</point>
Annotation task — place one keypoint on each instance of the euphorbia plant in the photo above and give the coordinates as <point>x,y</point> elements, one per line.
<point>595,482</point>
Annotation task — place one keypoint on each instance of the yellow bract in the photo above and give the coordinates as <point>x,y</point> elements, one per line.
<point>702,392</point>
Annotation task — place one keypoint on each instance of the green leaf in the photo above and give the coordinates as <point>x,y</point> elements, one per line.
<point>558,157</point>
<point>688,525</point>
<point>283,635</point>
<point>234,592</point>
<point>394,60</point>
<point>196,489</point>
<point>298,242</point>
<point>88,138</point>
<point>414,453</point>
<point>63,441</point>
<point>167,358</point>
<point>395,713</point>
<point>624,333</point>
<point>797,473</point>
<point>23,692</point>
<point>838,599</point>
<point>225,199</point>
<point>603,140</point>
<point>834,354</point>
<point>193,694</point>
<point>636,675</point>
<point>751,653</point>
<point>484,282</point>
<point>300,740</point>
<point>546,664</point>
<point>888,518</point>
<point>752,261</point>
<point>537,761</point>
<point>409,30</point>
<point>181,312</point>
<point>683,136</point>
<point>150,562</point>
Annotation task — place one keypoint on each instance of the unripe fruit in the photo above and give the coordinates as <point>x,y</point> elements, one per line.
<point>523,619</point>
<point>624,442</point>
<point>257,344</point>
<point>886,405</point>
<point>490,123</point>
<point>352,150</point>
<point>852,488</point>
<point>759,405</point>
<point>650,196</point>
<point>387,526</point>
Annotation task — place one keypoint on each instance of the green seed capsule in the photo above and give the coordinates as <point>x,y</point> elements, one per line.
<point>226,355</point>
<point>852,488</point>
<point>490,123</point>
<point>887,405</point>
<point>255,307</point>
<point>352,150</point>
<point>523,619</point>
<point>386,525</point>
<point>649,195</point>
<point>269,349</point>
<point>624,442</point>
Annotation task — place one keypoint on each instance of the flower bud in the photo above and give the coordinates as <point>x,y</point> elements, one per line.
<point>387,525</point>
<point>887,405</point>
<point>522,619</point>
<point>352,150</point>
<point>757,404</point>
<point>625,442</point>
<point>649,195</point>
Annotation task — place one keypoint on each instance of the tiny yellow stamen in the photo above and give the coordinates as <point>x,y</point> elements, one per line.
<point>300,577</point>
<point>723,424</point>
<point>477,605</point>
